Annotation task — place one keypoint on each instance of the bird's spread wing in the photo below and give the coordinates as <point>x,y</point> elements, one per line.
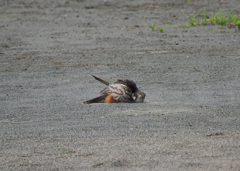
<point>102,81</point>
<point>97,99</point>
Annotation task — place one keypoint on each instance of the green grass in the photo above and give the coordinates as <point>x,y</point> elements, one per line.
<point>65,151</point>
<point>216,18</point>
<point>236,18</point>
<point>204,18</point>
<point>152,26</point>
<point>238,24</point>
<point>230,18</point>
<point>199,22</point>
<point>160,29</point>
<point>222,20</point>
<point>192,22</point>
<point>212,19</point>
<point>193,17</point>
<point>229,133</point>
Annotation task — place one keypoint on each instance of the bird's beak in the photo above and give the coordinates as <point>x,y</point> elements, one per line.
<point>140,97</point>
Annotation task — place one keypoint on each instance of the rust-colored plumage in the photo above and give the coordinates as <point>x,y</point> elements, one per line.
<point>109,99</point>
<point>118,92</point>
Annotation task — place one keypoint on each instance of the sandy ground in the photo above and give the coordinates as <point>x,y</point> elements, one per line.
<point>50,49</point>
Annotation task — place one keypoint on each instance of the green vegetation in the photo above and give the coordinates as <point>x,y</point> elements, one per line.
<point>216,18</point>
<point>193,18</point>
<point>199,22</point>
<point>238,24</point>
<point>152,27</point>
<point>220,20</point>
<point>230,20</point>
<point>204,18</point>
<point>192,22</point>
<point>236,18</point>
<point>65,151</point>
<point>160,29</point>
<point>212,19</point>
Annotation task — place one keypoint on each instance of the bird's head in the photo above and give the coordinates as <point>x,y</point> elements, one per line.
<point>140,96</point>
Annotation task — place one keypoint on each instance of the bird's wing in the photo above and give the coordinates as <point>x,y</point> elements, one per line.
<point>96,100</point>
<point>102,81</point>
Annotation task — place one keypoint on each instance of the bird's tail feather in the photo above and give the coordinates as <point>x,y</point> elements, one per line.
<point>102,81</point>
<point>95,100</point>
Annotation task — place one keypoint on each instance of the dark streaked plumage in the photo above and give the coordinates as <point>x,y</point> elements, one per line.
<point>118,92</point>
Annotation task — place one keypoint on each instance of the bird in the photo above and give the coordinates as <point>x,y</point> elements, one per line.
<point>120,91</point>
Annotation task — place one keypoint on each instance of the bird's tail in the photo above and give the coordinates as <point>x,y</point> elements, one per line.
<point>96,100</point>
<point>102,81</point>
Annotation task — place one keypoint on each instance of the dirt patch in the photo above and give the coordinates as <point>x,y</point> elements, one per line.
<point>48,52</point>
